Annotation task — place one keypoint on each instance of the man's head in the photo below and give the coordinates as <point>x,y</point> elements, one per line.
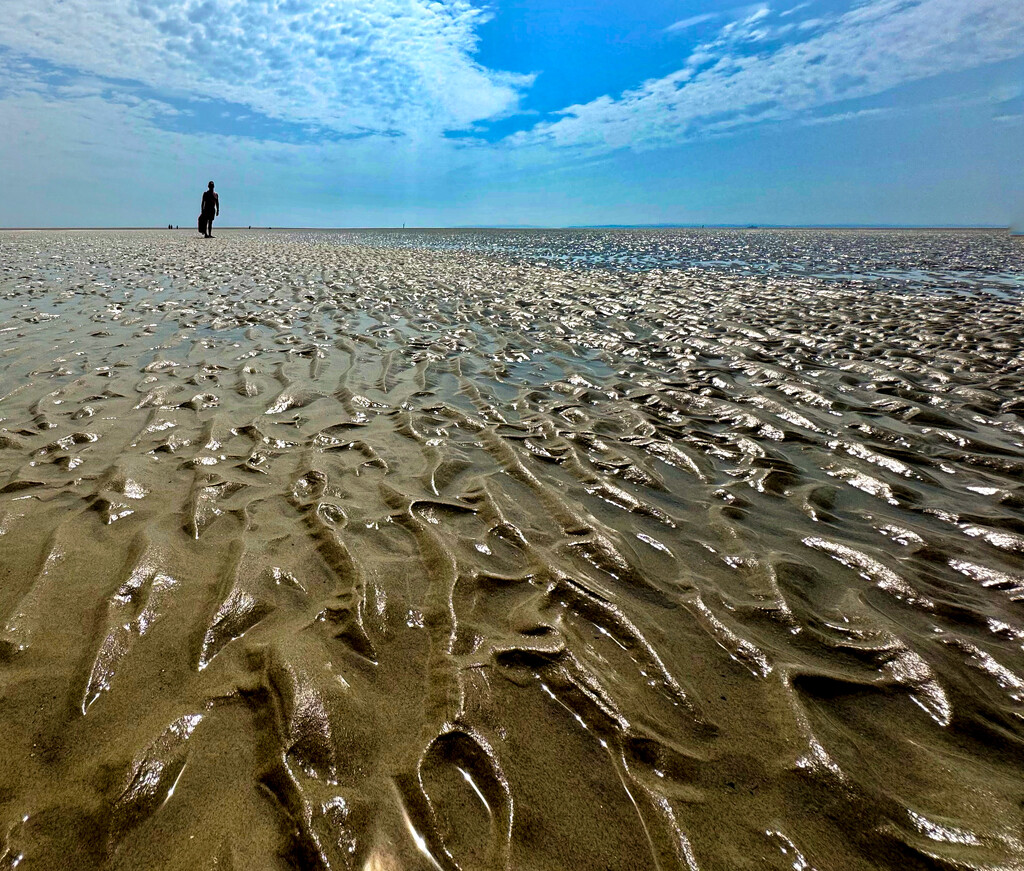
<point>210,185</point>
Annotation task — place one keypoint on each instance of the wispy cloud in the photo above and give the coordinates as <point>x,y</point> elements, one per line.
<point>793,10</point>
<point>692,21</point>
<point>357,65</point>
<point>725,85</point>
<point>738,18</point>
<point>845,116</point>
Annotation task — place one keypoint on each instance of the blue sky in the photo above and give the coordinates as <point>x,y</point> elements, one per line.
<point>535,112</point>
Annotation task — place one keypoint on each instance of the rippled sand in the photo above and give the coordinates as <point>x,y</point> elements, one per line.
<point>317,554</point>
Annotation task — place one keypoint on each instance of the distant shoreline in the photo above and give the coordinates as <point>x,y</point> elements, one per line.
<point>191,230</point>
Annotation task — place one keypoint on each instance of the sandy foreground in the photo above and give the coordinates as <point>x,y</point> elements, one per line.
<point>330,556</point>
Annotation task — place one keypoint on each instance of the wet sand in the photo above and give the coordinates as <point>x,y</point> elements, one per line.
<point>317,553</point>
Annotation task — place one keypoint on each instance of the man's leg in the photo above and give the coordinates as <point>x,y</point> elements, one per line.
<point>209,227</point>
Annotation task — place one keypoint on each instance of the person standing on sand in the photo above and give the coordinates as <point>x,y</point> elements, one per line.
<point>210,209</point>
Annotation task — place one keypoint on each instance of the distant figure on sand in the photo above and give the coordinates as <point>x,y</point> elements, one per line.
<point>211,208</point>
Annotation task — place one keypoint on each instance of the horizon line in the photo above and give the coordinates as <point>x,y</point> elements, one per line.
<point>689,226</point>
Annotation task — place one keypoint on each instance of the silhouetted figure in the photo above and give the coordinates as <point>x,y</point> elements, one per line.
<point>210,209</point>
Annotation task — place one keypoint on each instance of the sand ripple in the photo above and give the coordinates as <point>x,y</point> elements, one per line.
<point>372,552</point>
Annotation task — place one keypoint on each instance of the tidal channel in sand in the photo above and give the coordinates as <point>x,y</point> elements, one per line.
<point>396,551</point>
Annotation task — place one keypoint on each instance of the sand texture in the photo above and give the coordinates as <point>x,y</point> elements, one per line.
<point>380,552</point>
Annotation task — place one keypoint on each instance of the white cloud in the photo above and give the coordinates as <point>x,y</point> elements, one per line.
<point>872,48</point>
<point>82,155</point>
<point>87,160</point>
<point>692,21</point>
<point>348,65</point>
<point>846,116</point>
<point>793,10</point>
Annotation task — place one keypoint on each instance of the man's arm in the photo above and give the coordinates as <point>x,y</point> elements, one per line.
<point>216,201</point>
